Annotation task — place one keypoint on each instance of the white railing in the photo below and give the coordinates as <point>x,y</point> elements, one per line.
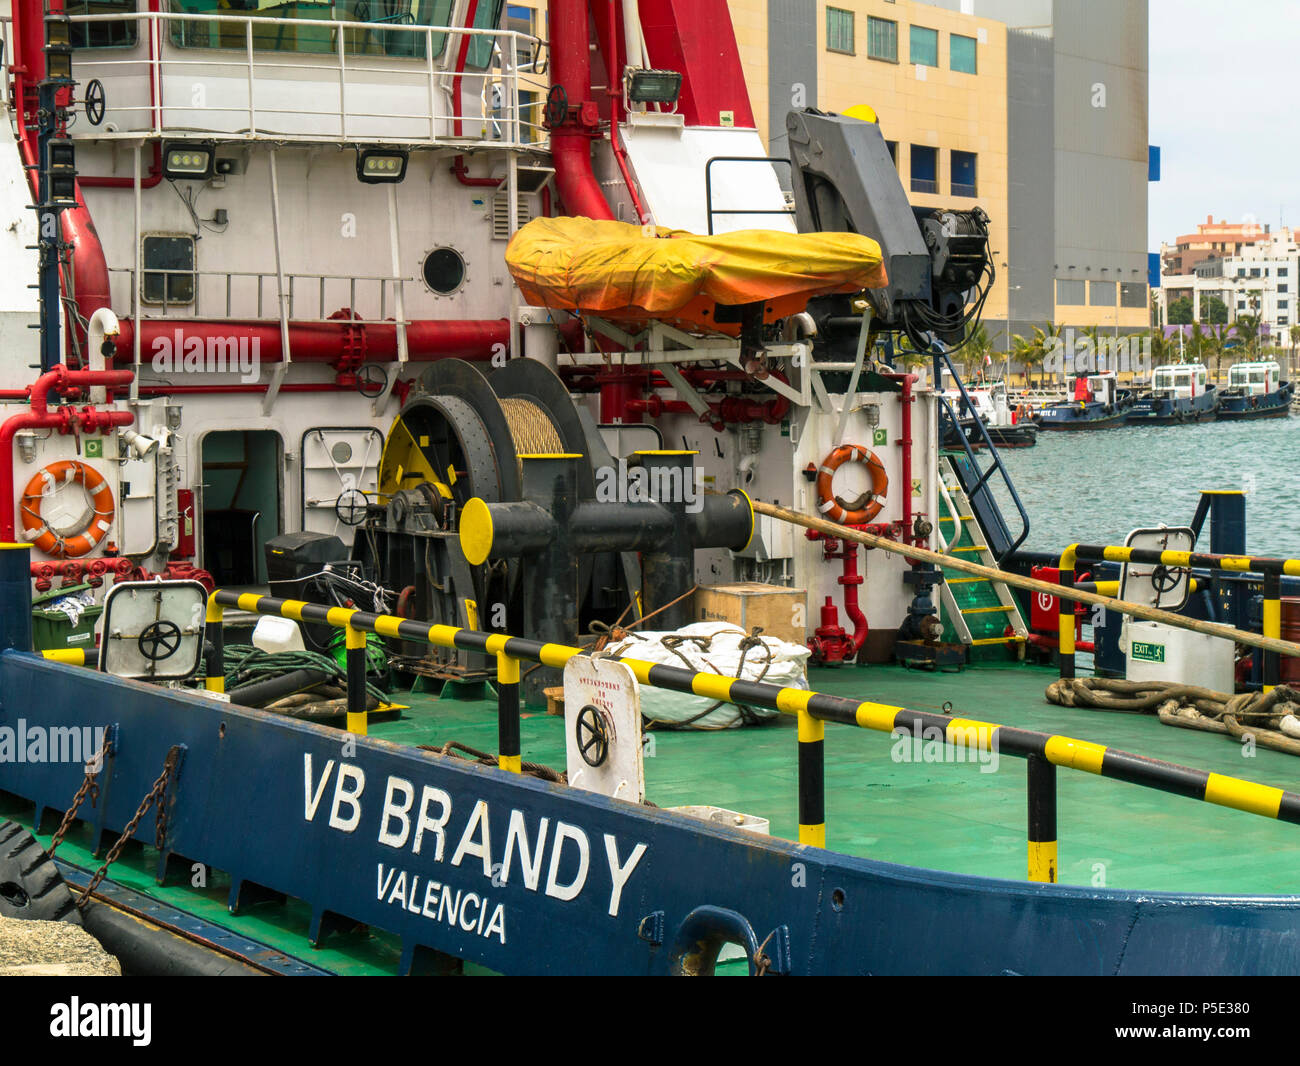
<point>249,294</point>
<point>238,88</point>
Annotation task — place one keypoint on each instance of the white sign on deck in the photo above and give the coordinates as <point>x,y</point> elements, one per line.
<point>602,725</point>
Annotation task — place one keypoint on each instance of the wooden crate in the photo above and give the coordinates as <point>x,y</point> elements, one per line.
<point>779,610</point>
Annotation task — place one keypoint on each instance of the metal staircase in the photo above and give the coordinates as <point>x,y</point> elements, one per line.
<point>978,612</point>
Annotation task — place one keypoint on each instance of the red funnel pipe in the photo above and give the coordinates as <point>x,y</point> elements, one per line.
<point>571,140</point>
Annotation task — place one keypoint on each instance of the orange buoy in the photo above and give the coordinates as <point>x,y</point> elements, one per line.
<point>866,506</point>
<point>81,537</point>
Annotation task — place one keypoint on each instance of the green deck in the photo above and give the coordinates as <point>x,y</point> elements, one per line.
<point>942,815</point>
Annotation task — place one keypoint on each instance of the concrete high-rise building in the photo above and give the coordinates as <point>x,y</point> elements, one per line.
<point>1034,109</point>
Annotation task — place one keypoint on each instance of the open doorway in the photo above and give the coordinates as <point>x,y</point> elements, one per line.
<point>242,487</point>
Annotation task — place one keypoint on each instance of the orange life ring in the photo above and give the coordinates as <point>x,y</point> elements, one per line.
<point>858,511</point>
<point>81,538</point>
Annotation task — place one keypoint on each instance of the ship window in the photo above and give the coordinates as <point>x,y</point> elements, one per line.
<point>302,25</point>
<point>122,34</point>
<point>168,270</point>
<point>444,270</point>
<point>487,16</point>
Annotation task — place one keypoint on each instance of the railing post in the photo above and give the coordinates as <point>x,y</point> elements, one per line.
<point>355,643</point>
<point>1042,819</point>
<point>212,633</point>
<point>1065,612</point>
<point>508,743</point>
<point>812,780</point>
<point>1272,627</point>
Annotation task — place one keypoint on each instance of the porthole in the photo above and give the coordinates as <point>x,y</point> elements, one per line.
<point>444,271</point>
<point>341,451</point>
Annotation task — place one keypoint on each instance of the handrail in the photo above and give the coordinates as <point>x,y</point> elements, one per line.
<point>1272,568</point>
<point>994,454</point>
<point>341,63</point>
<point>1031,584</point>
<point>1043,751</point>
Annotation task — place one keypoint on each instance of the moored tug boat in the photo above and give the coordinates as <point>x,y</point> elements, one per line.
<point>1007,426</point>
<point>1179,393</point>
<point>1256,390</point>
<point>1098,403</point>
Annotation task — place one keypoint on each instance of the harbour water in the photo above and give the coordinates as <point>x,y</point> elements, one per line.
<point>1097,487</point>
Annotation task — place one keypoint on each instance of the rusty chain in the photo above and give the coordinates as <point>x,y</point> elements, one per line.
<point>155,795</point>
<point>89,786</point>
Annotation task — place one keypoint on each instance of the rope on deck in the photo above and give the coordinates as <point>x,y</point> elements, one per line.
<point>1270,719</point>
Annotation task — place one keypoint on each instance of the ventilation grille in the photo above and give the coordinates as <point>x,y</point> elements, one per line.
<point>501,214</point>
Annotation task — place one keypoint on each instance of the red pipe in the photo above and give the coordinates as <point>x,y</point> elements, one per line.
<point>353,342</point>
<point>148,182</point>
<point>571,140</point>
<point>64,419</point>
<point>851,579</point>
<point>905,442</point>
<point>461,170</point>
<point>607,25</point>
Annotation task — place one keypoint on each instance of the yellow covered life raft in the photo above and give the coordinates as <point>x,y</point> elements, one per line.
<point>628,272</point>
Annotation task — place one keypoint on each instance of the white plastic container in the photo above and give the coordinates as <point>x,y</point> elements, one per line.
<point>273,634</point>
<point>1157,652</point>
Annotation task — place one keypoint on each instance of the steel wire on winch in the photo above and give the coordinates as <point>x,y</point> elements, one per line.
<point>531,429</point>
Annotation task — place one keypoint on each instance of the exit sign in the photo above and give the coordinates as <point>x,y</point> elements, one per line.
<point>1148,653</point>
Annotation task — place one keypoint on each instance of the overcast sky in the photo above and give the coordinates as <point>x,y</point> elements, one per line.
<point>1224,80</point>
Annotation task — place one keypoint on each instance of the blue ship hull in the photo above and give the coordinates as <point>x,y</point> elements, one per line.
<point>1167,411</point>
<point>1276,404</point>
<point>387,836</point>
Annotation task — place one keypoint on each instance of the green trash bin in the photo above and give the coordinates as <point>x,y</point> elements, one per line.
<point>53,629</point>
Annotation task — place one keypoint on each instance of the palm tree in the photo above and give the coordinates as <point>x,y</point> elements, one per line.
<point>1032,351</point>
<point>1213,349</point>
<point>1248,327</point>
<point>1294,335</point>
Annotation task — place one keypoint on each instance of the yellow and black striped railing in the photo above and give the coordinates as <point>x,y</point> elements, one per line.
<point>1272,569</point>
<point>1043,751</point>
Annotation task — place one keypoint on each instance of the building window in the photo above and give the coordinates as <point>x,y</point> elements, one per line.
<point>925,168</point>
<point>1254,272</point>
<point>961,53</point>
<point>1132,294</point>
<point>1281,320</point>
<point>1241,272</point>
<point>168,270</point>
<point>924,46</point>
<point>1282,305</point>
<point>963,173</point>
<point>1281,288</point>
<point>839,30</point>
<point>1070,293</point>
<point>893,152</point>
<point>1281,272</point>
<point>882,39</point>
<point>1101,293</point>
<point>520,19</point>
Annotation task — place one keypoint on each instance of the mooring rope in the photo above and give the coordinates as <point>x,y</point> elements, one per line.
<point>1271,718</point>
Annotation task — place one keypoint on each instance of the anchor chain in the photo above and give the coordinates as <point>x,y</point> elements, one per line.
<point>154,796</point>
<point>89,786</point>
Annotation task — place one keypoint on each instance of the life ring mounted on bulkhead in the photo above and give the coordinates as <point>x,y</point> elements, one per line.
<point>81,536</point>
<point>865,507</point>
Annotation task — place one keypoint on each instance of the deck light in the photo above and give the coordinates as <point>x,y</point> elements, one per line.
<point>653,86</point>
<point>61,173</point>
<point>58,48</point>
<point>193,162</point>
<point>381,166</point>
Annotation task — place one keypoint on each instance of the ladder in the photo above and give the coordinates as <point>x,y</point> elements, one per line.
<point>979,612</point>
